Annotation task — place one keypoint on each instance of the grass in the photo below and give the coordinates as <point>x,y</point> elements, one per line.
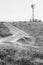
<point>10,55</point>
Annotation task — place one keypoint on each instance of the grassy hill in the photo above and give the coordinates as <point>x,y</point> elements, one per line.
<point>11,56</point>
<point>35,29</point>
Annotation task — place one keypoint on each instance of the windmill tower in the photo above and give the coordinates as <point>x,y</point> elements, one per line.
<point>33,6</point>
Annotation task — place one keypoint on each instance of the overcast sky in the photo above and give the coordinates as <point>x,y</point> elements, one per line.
<point>20,10</point>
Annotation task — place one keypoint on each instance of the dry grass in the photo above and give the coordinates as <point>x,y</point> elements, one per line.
<point>11,55</point>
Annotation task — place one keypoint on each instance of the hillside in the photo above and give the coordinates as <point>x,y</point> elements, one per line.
<point>34,29</point>
<point>27,55</point>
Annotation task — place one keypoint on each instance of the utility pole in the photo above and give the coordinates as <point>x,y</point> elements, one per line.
<point>33,6</point>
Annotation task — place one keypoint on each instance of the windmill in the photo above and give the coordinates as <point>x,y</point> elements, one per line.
<point>33,6</point>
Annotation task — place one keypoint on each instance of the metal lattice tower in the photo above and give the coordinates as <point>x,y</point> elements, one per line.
<point>33,6</point>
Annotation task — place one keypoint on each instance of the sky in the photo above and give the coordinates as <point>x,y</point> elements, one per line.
<point>20,10</point>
